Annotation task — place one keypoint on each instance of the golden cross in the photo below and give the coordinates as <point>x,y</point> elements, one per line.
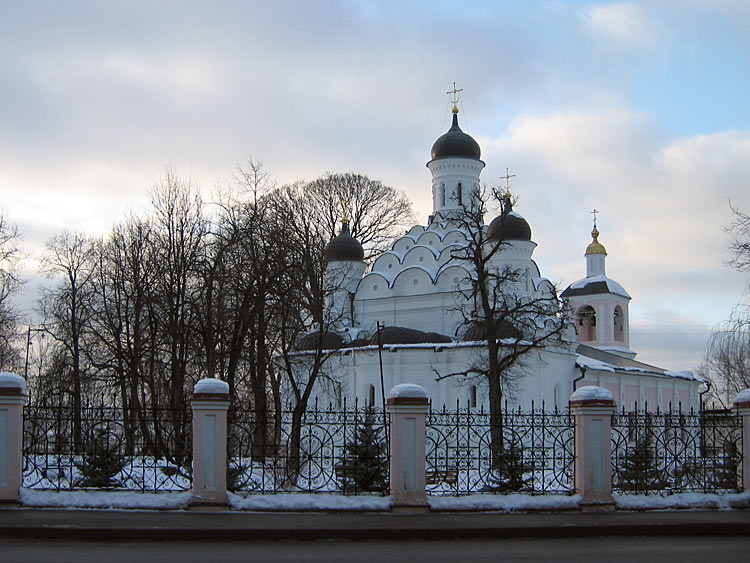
<point>345,210</point>
<point>454,97</point>
<point>507,178</point>
<point>594,212</point>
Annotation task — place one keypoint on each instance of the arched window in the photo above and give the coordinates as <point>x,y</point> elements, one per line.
<point>442,195</point>
<point>619,324</point>
<point>473,397</point>
<point>371,395</point>
<point>586,320</point>
<point>458,194</point>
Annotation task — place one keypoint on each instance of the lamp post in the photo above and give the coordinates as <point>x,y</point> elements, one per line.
<point>28,345</point>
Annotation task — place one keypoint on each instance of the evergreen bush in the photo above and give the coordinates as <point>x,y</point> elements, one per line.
<point>101,462</point>
<point>363,467</point>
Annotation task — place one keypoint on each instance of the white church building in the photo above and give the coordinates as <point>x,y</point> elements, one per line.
<point>400,319</point>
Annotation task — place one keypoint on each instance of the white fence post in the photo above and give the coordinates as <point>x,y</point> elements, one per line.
<point>407,405</point>
<point>593,408</point>
<point>12,399</point>
<point>210,406</point>
<point>742,404</point>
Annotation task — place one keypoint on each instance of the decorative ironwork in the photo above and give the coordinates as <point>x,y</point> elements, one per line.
<point>117,449</point>
<point>337,450</point>
<point>668,452</point>
<point>529,452</point>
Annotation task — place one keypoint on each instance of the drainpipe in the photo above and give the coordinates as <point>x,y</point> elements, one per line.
<point>577,379</point>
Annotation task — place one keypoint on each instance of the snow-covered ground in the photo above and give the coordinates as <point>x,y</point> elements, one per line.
<point>333,502</point>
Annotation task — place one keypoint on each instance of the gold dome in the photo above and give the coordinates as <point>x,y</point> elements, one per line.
<point>595,247</point>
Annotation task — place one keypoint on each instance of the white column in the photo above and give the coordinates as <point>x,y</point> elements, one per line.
<point>593,408</point>
<point>407,405</point>
<point>12,399</point>
<point>210,406</point>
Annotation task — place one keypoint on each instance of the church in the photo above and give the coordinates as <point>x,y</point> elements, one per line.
<point>403,319</point>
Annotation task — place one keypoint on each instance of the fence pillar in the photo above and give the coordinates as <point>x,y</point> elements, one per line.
<point>407,405</point>
<point>593,408</point>
<point>210,406</point>
<point>12,399</point>
<point>742,404</point>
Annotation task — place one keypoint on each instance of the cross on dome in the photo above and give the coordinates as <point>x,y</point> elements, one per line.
<point>594,213</point>
<point>507,178</point>
<point>454,96</point>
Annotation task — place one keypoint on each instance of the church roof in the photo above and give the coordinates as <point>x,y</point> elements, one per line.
<point>328,341</point>
<point>595,247</point>
<point>344,247</point>
<point>402,335</point>
<point>509,226</point>
<point>455,143</point>
<point>595,285</point>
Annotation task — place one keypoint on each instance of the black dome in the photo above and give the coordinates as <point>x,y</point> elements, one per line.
<point>509,226</point>
<point>503,329</point>
<point>402,335</point>
<point>455,143</point>
<point>344,247</point>
<point>327,341</point>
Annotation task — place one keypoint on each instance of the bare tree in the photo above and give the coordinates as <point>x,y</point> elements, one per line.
<point>727,362</point>
<point>500,306</point>
<point>376,212</point>
<point>739,247</point>
<point>10,255</point>
<point>67,308</point>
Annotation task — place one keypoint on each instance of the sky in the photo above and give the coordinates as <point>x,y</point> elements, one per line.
<point>637,109</point>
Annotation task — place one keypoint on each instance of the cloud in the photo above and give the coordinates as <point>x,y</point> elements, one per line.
<point>622,21</point>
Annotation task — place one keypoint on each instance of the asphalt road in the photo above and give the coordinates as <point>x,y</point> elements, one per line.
<point>661,549</point>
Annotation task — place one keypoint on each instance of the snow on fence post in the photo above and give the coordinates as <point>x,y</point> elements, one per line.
<point>210,406</point>
<point>12,399</point>
<point>593,408</point>
<point>407,405</point>
<point>742,404</point>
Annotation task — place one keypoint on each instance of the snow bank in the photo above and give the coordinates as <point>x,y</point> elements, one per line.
<point>592,393</point>
<point>506,503</point>
<point>410,390</point>
<point>683,501</point>
<point>8,379</point>
<point>307,501</point>
<point>211,385</point>
<point>104,499</point>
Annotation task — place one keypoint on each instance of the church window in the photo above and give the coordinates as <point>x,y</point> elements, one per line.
<point>458,194</point>
<point>442,195</point>
<point>421,258</point>
<point>375,287</point>
<point>473,397</point>
<point>619,324</point>
<point>586,317</point>
<point>371,395</point>
<point>416,282</point>
<point>390,266</point>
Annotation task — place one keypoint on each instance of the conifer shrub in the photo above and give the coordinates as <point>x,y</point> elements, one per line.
<point>101,464</point>
<point>364,465</point>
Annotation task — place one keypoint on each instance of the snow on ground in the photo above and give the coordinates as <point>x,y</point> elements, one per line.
<point>321,502</point>
<point>306,501</point>
<point>507,503</point>
<point>104,499</point>
<point>674,501</point>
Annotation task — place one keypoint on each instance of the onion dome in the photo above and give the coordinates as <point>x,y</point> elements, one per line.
<point>403,335</point>
<point>455,143</point>
<point>509,226</point>
<point>503,329</point>
<point>595,247</point>
<point>326,341</point>
<point>344,247</point>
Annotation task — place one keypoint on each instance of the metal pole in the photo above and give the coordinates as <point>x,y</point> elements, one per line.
<point>26,365</point>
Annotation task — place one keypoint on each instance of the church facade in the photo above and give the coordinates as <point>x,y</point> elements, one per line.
<point>404,318</point>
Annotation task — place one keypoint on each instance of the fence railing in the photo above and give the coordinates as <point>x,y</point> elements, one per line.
<point>525,451</point>
<point>665,452</point>
<point>107,448</point>
<point>321,450</point>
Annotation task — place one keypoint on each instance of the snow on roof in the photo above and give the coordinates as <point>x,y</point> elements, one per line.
<point>211,385</point>
<point>742,397</point>
<point>591,363</point>
<point>612,285</point>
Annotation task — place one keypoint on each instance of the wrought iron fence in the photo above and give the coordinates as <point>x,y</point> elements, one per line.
<point>319,450</point>
<point>667,452</point>
<point>107,448</point>
<point>530,452</point>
